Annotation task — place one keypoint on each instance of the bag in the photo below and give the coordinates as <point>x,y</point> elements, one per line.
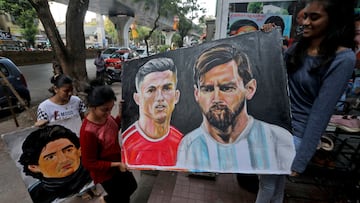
<point>121,185</point>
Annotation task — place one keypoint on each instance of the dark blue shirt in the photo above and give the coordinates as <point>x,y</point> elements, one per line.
<point>313,97</point>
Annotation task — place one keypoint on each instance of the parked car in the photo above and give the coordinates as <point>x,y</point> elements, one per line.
<point>107,52</point>
<point>118,57</point>
<point>142,52</point>
<point>17,80</point>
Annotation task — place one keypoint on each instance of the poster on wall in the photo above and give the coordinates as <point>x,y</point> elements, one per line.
<point>284,9</point>
<point>221,106</point>
<point>49,161</point>
<point>245,22</point>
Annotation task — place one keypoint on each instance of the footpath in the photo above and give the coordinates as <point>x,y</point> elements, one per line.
<point>12,187</point>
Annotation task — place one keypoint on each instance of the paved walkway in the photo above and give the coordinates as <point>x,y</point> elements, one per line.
<point>171,187</point>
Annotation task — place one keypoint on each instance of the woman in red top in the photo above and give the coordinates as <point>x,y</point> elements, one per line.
<point>100,148</point>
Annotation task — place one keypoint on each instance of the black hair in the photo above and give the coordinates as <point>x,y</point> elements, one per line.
<point>340,32</point>
<point>99,94</point>
<point>357,17</point>
<point>240,23</point>
<point>59,81</point>
<point>221,54</point>
<point>155,65</point>
<point>37,140</point>
<point>277,20</point>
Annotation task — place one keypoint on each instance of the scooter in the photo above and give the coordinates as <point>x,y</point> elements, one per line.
<point>112,75</point>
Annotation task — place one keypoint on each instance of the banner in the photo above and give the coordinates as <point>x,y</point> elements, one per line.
<point>237,22</point>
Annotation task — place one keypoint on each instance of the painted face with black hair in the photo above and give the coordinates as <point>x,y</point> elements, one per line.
<point>58,159</point>
<point>157,96</point>
<point>222,95</point>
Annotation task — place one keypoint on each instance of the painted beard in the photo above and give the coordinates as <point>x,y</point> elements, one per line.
<point>221,117</point>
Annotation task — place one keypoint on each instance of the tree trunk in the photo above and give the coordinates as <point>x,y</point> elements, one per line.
<point>72,56</point>
<point>75,42</point>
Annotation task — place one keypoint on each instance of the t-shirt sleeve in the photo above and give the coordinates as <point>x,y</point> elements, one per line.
<point>82,107</point>
<point>41,114</point>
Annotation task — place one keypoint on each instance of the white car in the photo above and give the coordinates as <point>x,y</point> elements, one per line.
<point>142,52</point>
<point>107,52</point>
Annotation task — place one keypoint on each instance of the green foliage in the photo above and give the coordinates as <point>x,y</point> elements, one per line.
<point>24,15</point>
<point>191,9</point>
<point>169,8</point>
<point>284,12</point>
<point>110,30</point>
<point>255,7</point>
<point>163,48</point>
<point>143,32</point>
<point>176,39</point>
<point>29,34</point>
<point>185,26</point>
<point>166,8</point>
<point>157,38</point>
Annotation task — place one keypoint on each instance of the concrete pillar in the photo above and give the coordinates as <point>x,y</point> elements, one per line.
<point>168,36</point>
<point>100,31</point>
<point>122,24</point>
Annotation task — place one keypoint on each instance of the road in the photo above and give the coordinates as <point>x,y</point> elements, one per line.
<point>38,79</point>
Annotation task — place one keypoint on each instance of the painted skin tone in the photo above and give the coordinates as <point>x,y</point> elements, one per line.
<point>156,98</point>
<point>58,159</point>
<point>222,98</point>
<point>243,29</point>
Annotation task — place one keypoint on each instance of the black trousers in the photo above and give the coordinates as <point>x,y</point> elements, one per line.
<point>100,75</point>
<point>120,187</point>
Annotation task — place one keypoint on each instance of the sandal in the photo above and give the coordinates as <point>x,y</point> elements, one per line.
<point>326,143</point>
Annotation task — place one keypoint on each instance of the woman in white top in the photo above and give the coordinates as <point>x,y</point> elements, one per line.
<point>62,105</point>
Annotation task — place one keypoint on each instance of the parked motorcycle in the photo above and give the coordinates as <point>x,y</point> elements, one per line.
<point>112,75</point>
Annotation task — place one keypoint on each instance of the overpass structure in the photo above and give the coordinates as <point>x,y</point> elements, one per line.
<point>125,12</point>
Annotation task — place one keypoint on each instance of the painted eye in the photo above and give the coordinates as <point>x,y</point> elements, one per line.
<point>207,89</point>
<point>227,88</point>
<point>49,157</point>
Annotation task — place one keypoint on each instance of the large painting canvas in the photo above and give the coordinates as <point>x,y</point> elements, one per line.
<point>189,124</point>
<point>49,162</point>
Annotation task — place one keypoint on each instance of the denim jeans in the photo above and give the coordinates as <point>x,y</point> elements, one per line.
<point>271,188</point>
<point>297,142</point>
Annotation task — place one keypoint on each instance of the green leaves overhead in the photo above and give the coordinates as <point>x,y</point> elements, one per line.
<point>24,15</point>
